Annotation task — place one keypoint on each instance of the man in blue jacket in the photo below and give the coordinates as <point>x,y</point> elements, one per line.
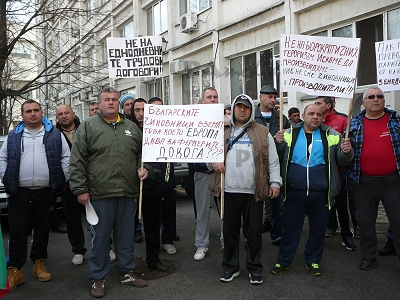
<point>34,167</point>
<point>309,153</point>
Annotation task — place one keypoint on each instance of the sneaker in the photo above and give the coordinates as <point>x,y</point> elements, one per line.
<point>77,260</point>
<point>98,289</point>
<point>388,249</point>
<point>131,279</point>
<point>314,269</point>
<point>39,271</point>
<point>330,232</point>
<point>356,233</point>
<point>368,264</point>
<point>113,257</point>
<point>15,277</point>
<point>138,236</point>
<point>255,278</point>
<point>349,244</point>
<point>169,248</point>
<point>278,269</point>
<point>228,276</point>
<point>266,226</point>
<point>201,253</point>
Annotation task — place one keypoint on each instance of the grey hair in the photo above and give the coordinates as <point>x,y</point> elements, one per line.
<point>109,89</point>
<point>370,88</point>
<point>204,91</point>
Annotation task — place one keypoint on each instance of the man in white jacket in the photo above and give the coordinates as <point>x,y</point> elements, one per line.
<point>33,167</point>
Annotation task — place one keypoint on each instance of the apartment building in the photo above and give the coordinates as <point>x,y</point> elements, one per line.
<point>232,45</point>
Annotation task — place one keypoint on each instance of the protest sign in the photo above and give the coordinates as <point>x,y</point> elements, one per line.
<point>316,65</point>
<point>136,57</point>
<point>183,133</point>
<point>388,64</point>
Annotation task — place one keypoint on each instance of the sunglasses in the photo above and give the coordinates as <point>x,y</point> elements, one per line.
<point>377,96</point>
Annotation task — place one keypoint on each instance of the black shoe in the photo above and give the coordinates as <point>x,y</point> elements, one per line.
<point>157,266</point>
<point>368,264</point>
<point>349,244</point>
<point>329,232</point>
<point>388,249</point>
<point>255,278</point>
<point>314,269</point>
<point>267,226</point>
<point>138,236</point>
<point>356,233</point>
<point>276,242</point>
<point>278,269</point>
<point>228,276</point>
<point>59,229</point>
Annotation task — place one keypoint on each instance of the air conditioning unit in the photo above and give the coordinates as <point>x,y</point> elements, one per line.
<point>178,67</point>
<point>189,22</point>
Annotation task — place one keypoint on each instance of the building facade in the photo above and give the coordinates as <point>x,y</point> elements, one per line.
<point>229,44</point>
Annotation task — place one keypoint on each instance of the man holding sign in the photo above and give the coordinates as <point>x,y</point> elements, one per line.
<point>105,171</point>
<point>309,153</point>
<point>374,172</point>
<point>252,175</point>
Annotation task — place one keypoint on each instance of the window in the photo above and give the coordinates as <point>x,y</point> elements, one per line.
<point>194,83</point>
<point>91,58</point>
<point>154,89</point>
<point>157,21</point>
<point>23,49</point>
<point>244,73</point>
<point>346,31</point>
<point>321,33</point>
<point>194,6</point>
<point>370,31</point>
<point>90,7</point>
<point>393,23</point>
<point>127,30</point>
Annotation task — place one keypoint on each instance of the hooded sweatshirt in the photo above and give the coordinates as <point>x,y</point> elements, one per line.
<point>240,161</point>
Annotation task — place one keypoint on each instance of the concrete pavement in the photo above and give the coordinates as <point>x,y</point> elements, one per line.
<point>189,279</point>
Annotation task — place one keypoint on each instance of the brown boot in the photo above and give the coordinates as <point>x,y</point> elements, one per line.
<point>15,277</point>
<point>39,271</point>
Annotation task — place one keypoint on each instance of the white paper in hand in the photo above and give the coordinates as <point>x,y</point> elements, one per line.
<point>91,215</point>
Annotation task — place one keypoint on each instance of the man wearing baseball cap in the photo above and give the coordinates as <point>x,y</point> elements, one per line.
<point>252,174</point>
<point>266,115</point>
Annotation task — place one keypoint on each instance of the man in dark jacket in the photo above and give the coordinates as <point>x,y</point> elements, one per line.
<point>34,167</point>
<point>266,115</point>
<point>309,154</point>
<point>68,124</point>
<point>111,188</point>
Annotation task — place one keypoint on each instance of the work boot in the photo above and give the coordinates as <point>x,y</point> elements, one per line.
<point>15,277</point>
<point>39,271</point>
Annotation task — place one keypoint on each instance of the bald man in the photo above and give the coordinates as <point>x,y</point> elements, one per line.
<point>67,123</point>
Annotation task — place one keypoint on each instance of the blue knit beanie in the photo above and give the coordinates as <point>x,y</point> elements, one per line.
<point>124,98</point>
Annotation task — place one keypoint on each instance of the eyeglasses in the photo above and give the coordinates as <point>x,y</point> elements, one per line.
<point>377,96</point>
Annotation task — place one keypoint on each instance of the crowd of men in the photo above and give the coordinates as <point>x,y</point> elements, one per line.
<point>275,173</point>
